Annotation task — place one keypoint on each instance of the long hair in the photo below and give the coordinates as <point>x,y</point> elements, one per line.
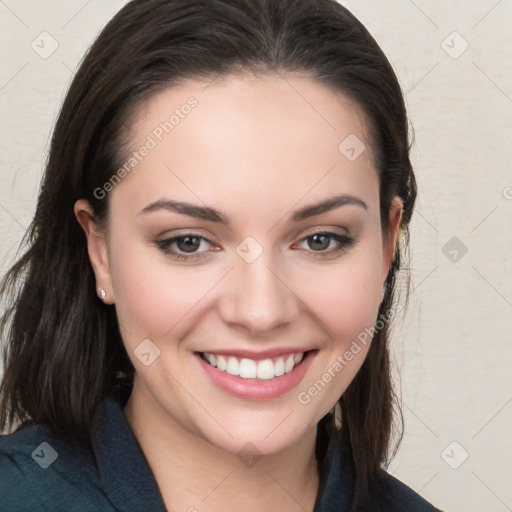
<point>63,348</point>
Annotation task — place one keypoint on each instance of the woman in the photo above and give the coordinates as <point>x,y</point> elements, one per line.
<point>204,307</point>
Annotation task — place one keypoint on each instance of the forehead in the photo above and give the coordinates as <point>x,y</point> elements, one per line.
<point>259,137</point>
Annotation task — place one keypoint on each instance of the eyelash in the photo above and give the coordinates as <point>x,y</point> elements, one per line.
<point>345,242</point>
<point>164,245</point>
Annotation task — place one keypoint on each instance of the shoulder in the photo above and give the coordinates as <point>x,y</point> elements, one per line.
<point>40,472</point>
<point>392,495</point>
<point>340,489</point>
<point>43,471</point>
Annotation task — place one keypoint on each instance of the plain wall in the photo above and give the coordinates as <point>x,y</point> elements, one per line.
<point>453,349</point>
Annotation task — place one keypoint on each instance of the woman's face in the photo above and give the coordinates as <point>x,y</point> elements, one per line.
<point>249,229</point>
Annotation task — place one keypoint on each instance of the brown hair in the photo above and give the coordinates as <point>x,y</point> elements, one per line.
<point>63,347</point>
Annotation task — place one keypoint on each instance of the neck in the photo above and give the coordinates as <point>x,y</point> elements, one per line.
<point>195,476</point>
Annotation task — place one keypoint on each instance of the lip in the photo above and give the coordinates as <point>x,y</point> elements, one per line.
<point>258,356</point>
<point>255,389</point>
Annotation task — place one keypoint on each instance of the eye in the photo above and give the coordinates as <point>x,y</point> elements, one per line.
<point>188,243</point>
<point>324,243</point>
<point>184,247</point>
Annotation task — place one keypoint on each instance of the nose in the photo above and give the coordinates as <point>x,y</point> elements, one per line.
<point>258,300</point>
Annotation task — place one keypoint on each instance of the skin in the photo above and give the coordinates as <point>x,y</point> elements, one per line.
<point>255,150</point>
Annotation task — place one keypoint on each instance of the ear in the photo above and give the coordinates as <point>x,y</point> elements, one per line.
<point>390,242</point>
<point>96,248</point>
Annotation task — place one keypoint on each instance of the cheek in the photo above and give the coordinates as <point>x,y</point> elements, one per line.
<point>345,298</point>
<point>346,302</point>
<point>153,297</point>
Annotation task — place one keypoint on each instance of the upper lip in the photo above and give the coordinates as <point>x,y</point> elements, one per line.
<point>257,356</point>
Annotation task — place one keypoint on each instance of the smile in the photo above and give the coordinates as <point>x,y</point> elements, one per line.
<point>252,376</point>
<point>245,368</point>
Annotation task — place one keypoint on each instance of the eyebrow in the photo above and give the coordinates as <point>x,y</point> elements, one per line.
<point>213,215</point>
<point>199,212</point>
<point>329,204</point>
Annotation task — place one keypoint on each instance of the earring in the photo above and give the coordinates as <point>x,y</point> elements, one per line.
<point>336,415</point>
<point>102,294</point>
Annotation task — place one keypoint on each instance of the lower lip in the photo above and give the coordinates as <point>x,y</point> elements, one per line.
<point>255,389</point>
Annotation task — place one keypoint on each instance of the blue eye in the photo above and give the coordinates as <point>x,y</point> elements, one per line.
<point>325,243</point>
<point>319,242</point>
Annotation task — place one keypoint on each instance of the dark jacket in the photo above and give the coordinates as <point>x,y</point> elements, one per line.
<point>39,472</point>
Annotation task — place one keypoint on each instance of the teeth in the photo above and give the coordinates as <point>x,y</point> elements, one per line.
<point>265,369</point>
<point>233,366</point>
<point>290,363</point>
<point>279,367</point>
<point>248,369</point>
<point>222,363</point>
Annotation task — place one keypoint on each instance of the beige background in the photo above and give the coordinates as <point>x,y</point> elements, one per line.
<point>453,350</point>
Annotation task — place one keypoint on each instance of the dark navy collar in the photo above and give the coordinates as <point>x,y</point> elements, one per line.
<point>337,476</point>
<point>127,478</point>
<point>122,467</point>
